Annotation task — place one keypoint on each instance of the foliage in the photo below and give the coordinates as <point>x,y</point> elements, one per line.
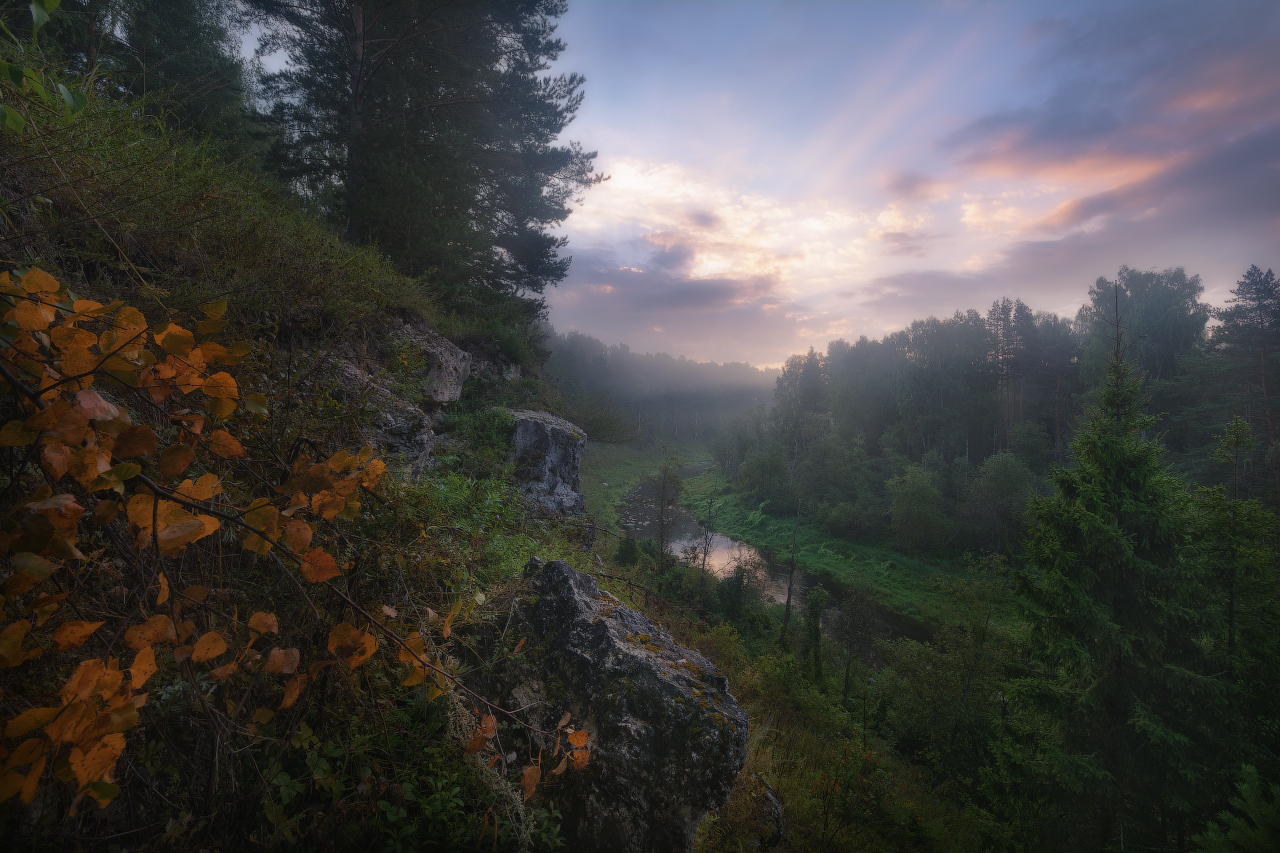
<point>429,129</point>
<point>1253,826</point>
<point>1113,607</point>
<point>130,208</point>
<point>165,463</point>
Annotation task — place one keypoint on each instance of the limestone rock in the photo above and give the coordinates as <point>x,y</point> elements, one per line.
<point>445,367</point>
<point>667,739</point>
<point>399,426</point>
<point>548,453</point>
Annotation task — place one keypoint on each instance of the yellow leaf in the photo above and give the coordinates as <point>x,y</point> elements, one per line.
<point>222,408</point>
<point>202,489</point>
<point>175,537</point>
<point>164,590</point>
<point>214,309</point>
<point>11,652</point>
<point>175,340</point>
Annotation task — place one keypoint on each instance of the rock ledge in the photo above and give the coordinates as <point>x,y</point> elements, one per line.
<point>667,738</point>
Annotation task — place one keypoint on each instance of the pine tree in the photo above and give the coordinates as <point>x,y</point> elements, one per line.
<point>1116,613</point>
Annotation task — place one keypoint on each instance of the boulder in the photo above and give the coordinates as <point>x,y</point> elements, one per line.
<point>444,367</point>
<point>548,452</point>
<point>667,739</point>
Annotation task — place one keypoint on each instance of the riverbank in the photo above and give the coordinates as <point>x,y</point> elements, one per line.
<point>913,586</point>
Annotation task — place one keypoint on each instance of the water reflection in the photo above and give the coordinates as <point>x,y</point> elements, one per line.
<point>723,553</point>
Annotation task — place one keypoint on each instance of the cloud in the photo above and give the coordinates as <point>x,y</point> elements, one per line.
<point>910,185</point>
<point>1145,133</point>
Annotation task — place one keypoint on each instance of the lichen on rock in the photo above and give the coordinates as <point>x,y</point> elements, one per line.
<point>667,738</point>
<point>548,453</point>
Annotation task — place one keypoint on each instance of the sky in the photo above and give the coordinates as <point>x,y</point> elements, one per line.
<point>782,174</point>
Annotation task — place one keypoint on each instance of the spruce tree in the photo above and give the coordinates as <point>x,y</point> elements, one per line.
<point>1116,615</point>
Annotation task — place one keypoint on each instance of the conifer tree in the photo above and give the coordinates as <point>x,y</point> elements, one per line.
<point>1116,613</point>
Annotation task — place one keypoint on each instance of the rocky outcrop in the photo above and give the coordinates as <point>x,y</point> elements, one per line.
<point>548,451</point>
<point>667,739</point>
<point>436,372</point>
<point>443,367</point>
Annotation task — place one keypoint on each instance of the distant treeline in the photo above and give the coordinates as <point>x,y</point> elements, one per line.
<point>938,434</point>
<point>658,398</point>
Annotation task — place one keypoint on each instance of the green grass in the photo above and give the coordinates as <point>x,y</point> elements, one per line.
<point>915,586</point>
<point>622,466</point>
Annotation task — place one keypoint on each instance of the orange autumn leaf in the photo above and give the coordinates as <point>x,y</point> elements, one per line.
<point>222,443</point>
<point>318,566</point>
<point>209,646</point>
<point>328,504</point>
<point>351,644</point>
<point>157,629</point>
<point>222,385</point>
<point>94,407</point>
<point>564,763</point>
<point>299,534</point>
<point>31,316</point>
<point>137,440</point>
<point>71,635</point>
<point>264,623</point>
<point>144,666</point>
<point>202,489</point>
<point>529,780</point>
<point>580,757</point>
<point>163,595</point>
<point>30,720</point>
<point>80,684</point>
<point>56,459</point>
<point>578,738</point>
<point>92,765</point>
<point>38,281</point>
<point>224,672</point>
<point>175,459</point>
<point>175,537</point>
<point>283,661</point>
<point>293,690</point>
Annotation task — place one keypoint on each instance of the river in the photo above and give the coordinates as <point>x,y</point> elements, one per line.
<point>636,518</point>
